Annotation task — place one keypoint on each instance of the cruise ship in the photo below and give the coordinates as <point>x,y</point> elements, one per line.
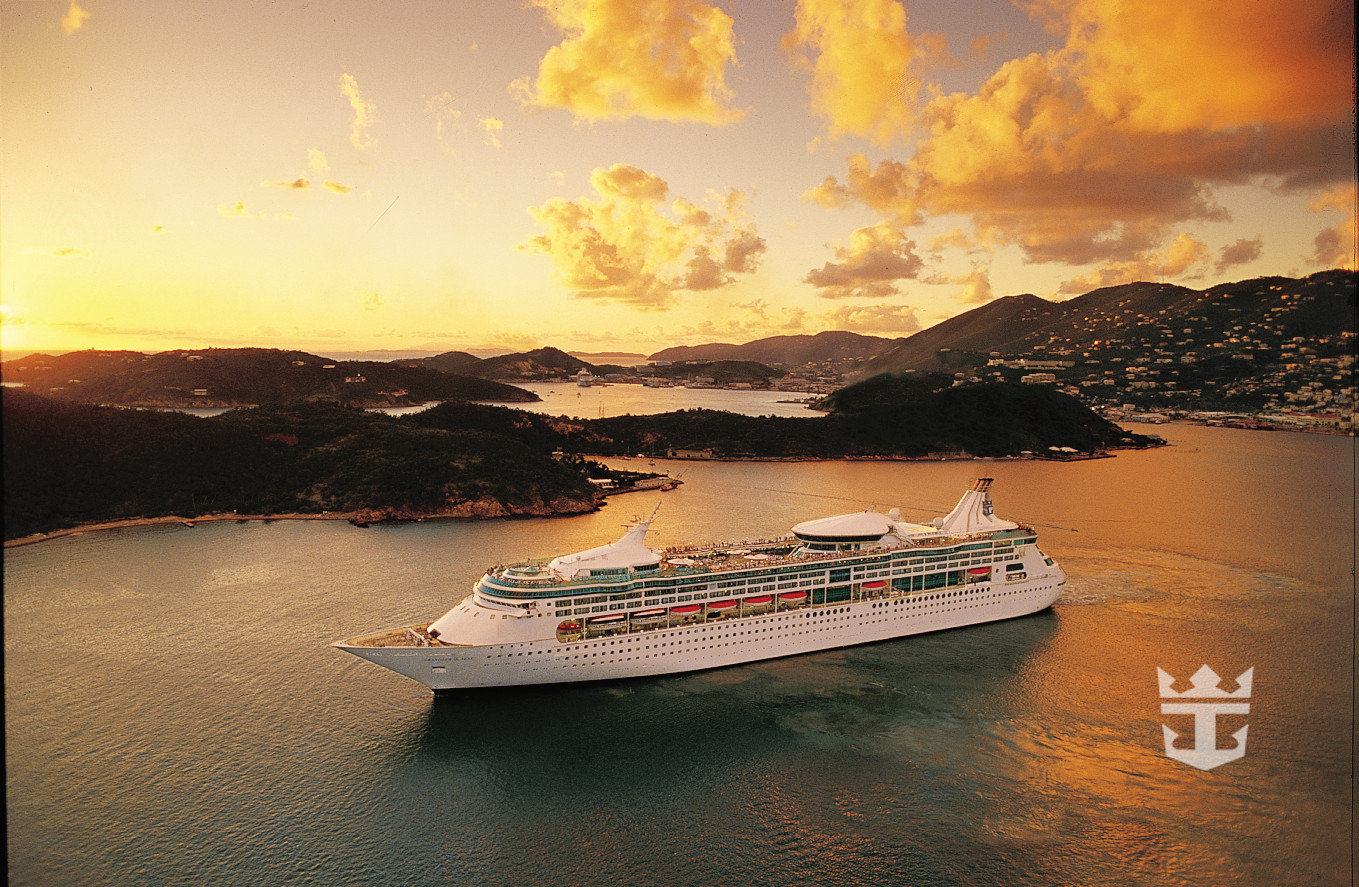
<point>624,610</point>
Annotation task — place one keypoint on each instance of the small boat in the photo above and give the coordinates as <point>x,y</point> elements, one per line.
<point>975,571</point>
<point>685,610</point>
<point>721,605</point>
<point>875,585</point>
<point>759,601</point>
<point>790,596</point>
<point>608,620</point>
<point>648,614</point>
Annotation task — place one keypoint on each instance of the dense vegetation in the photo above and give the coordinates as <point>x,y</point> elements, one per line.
<point>67,463</point>
<point>242,377</point>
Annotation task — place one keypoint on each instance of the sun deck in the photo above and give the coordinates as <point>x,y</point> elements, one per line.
<point>535,578</point>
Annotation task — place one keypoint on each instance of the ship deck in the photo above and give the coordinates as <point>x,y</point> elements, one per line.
<point>532,578</point>
<point>409,636</point>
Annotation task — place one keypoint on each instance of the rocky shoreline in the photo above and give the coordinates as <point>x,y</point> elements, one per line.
<point>480,509</point>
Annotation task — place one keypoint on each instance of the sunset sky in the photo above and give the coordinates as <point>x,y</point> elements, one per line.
<point>624,175</point>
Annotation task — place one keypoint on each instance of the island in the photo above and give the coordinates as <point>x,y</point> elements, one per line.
<point>70,465</point>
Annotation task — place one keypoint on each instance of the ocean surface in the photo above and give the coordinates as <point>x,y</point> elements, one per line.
<point>602,401</point>
<point>174,716</point>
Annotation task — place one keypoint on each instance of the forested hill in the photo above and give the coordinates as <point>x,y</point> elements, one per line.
<point>67,464</point>
<point>217,377</point>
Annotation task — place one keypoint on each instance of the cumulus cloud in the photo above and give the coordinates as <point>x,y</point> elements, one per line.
<point>492,127</point>
<point>337,187</point>
<point>976,285</point>
<point>364,112</point>
<point>74,19</point>
<point>1184,257</point>
<point>317,162</point>
<point>1336,246</point>
<point>863,65</point>
<point>883,320</point>
<point>869,265</point>
<point>659,59</point>
<point>441,108</point>
<point>1099,150</point>
<point>1240,253</point>
<point>627,245</point>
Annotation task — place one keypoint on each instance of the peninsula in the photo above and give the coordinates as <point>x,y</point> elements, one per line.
<point>68,465</point>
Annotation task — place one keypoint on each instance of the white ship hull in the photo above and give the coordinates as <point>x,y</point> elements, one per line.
<point>624,611</point>
<point>698,646</point>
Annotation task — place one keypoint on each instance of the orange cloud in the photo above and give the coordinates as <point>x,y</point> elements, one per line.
<point>864,76</point>
<point>662,59</point>
<point>1185,257</point>
<point>1095,152</point>
<point>627,246</point>
<point>890,320</point>
<point>1336,246</point>
<point>868,266</point>
<point>1240,253</point>
<point>976,286</point>
<point>61,252</point>
<point>364,112</point>
<point>440,107</point>
<point>338,188</point>
<point>74,19</point>
<point>492,127</point>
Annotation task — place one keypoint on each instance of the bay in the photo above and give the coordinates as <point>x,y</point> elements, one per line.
<point>175,716</point>
<point>603,401</point>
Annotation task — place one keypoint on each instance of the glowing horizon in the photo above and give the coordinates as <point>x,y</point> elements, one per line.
<point>607,175</point>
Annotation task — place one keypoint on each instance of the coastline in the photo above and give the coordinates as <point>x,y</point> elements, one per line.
<point>166,519</point>
<point>362,518</point>
<point>490,510</point>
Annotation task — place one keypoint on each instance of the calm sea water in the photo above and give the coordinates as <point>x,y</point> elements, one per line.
<point>173,714</point>
<point>599,401</point>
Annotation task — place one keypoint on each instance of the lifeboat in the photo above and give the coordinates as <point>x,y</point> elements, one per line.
<point>608,620</point>
<point>721,605</point>
<point>875,585</point>
<point>975,571</point>
<point>793,596</point>
<point>759,601</point>
<point>569,625</point>
<point>648,615</point>
<point>685,610</point>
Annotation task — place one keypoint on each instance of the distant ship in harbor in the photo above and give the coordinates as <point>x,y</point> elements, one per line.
<point>624,610</point>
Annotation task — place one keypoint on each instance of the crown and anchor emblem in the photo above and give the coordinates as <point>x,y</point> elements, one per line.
<point>1210,701</point>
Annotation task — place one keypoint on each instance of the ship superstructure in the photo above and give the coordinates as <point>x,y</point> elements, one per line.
<point>625,610</point>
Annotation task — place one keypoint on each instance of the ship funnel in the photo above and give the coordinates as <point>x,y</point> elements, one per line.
<point>974,512</point>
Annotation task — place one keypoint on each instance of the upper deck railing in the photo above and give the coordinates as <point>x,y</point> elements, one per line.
<point>532,578</point>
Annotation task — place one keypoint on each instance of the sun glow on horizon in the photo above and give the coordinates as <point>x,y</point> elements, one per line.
<point>576,175</point>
